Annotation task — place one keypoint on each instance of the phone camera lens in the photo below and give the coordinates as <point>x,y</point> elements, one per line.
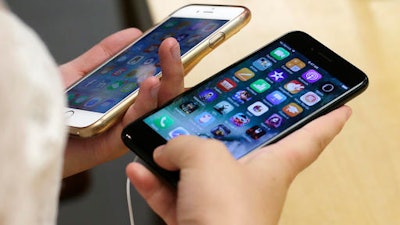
<point>328,87</point>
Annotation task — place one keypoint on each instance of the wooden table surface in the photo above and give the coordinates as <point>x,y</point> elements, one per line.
<point>357,179</point>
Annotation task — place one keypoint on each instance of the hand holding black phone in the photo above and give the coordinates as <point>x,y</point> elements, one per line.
<point>254,102</point>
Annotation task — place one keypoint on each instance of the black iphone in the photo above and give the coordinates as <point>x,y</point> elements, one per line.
<point>254,102</point>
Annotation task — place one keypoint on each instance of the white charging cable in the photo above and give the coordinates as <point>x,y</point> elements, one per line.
<point>128,197</point>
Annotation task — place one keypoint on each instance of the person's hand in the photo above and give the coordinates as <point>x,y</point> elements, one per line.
<point>214,188</point>
<point>82,154</point>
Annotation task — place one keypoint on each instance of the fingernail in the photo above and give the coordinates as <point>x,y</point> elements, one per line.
<point>349,112</point>
<point>154,90</point>
<point>176,51</point>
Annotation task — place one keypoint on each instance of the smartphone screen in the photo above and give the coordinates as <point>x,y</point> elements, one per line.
<point>121,76</point>
<point>254,102</point>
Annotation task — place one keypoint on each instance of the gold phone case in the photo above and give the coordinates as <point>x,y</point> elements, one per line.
<point>189,60</point>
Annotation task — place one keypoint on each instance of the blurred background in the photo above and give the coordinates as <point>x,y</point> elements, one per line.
<point>355,181</point>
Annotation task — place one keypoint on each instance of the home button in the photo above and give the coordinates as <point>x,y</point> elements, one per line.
<point>69,114</point>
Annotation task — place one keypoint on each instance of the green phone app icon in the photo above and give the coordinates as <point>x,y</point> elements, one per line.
<point>115,85</point>
<point>280,53</point>
<point>260,86</point>
<point>163,121</point>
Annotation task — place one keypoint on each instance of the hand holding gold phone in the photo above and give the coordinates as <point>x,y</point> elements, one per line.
<point>100,98</point>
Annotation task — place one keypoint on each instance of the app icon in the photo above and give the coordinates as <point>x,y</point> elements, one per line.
<point>295,64</point>
<point>119,72</point>
<point>171,23</point>
<point>220,131</point>
<point>294,86</point>
<point>107,103</point>
<point>129,87</point>
<point>178,132</point>
<point>280,53</point>
<point>255,132</point>
<point>80,99</point>
<point>210,27</point>
<point>292,109</point>
<point>208,95</point>
<point>244,74</point>
<point>163,121</point>
<point>242,96</point>
<point>181,37</point>
<point>262,64</point>
<point>223,107</point>
<point>204,118</point>
<point>277,75</point>
<point>310,98</point>
<point>135,60</point>
<point>257,108</point>
<point>106,69</point>
<point>122,58</point>
<point>311,76</point>
<point>102,83</point>
<point>115,85</point>
<point>193,39</point>
<point>149,61</point>
<point>189,107</point>
<point>260,86</point>
<point>92,102</point>
<point>71,96</point>
<point>131,73</point>
<point>276,97</point>
<point>327,87</point>
<point>226,85</point>
<point>151,48</point>
<point>156,35</point>
<point>165,36</point>
<point>274,121</point>
<point>239,119</point>
<point>182,24</point>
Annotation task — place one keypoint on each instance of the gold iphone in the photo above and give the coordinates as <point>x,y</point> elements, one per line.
<point>99,99</point>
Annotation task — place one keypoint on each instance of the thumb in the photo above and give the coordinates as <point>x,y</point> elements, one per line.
<point>190,152</point>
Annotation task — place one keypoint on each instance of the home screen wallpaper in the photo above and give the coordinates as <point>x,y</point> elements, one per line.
<point>251,102</point>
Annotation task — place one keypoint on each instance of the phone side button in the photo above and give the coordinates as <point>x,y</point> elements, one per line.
<point>69,114</point>
<point>217,39</point>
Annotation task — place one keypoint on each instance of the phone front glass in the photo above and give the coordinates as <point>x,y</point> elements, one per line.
<point>120,77</point>
<point>253,102</point>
